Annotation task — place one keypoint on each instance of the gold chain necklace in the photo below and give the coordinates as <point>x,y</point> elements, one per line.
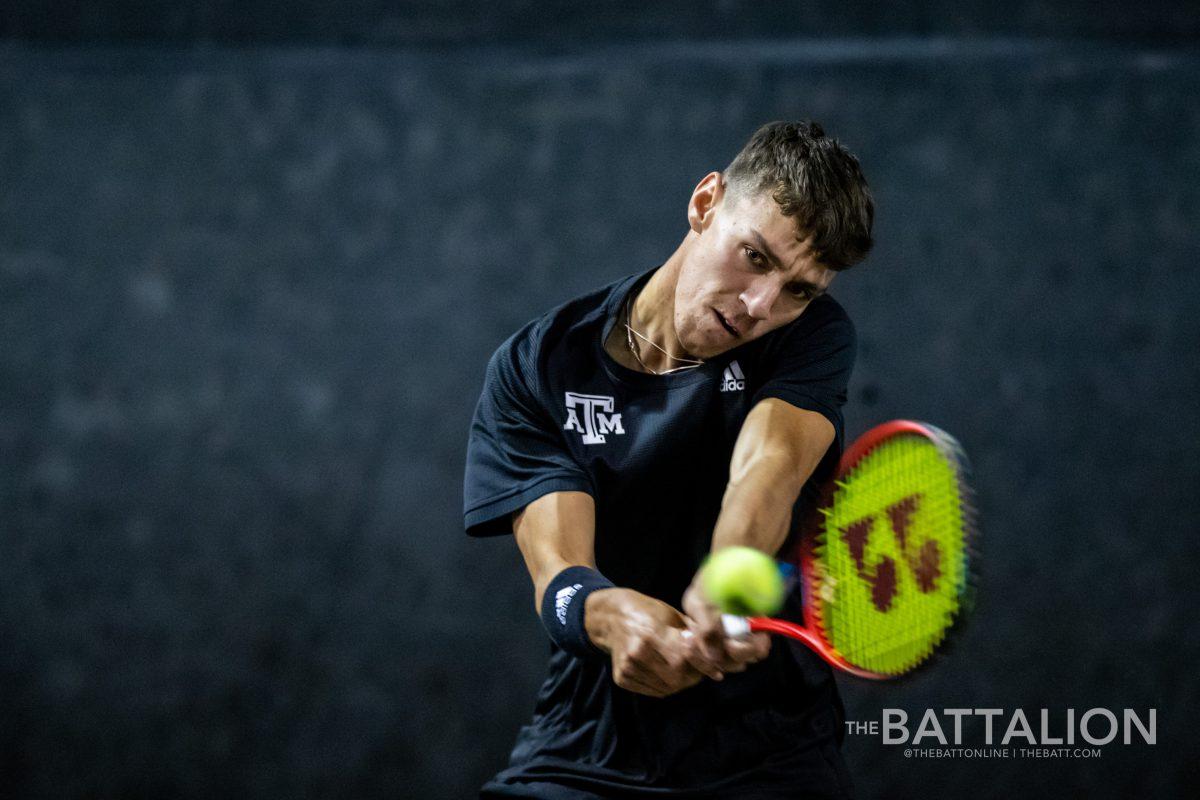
<point>689,363</point>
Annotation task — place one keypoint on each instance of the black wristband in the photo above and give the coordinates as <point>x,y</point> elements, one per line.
<point>562,609</point>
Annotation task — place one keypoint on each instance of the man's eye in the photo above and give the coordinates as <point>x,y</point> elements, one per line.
<point>756,258</point>
<point>802,293</point>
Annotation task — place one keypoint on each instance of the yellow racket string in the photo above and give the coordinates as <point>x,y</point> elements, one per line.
<point>891,569</point>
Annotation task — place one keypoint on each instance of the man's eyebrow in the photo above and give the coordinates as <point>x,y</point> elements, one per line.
<point>761,244</point>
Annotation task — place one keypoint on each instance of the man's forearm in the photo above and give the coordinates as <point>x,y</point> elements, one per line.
<point>554,532</point>
<point>777,451</point>
<point>757,508</point>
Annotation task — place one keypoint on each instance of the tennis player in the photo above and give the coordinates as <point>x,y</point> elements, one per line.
<point>626,434</point>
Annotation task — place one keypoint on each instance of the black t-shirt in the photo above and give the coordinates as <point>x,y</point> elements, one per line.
<point>558,413</point>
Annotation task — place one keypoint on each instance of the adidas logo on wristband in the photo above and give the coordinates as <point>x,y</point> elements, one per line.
<point>563,599</point>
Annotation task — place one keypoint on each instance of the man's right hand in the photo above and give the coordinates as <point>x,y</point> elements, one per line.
<point>644,638</point>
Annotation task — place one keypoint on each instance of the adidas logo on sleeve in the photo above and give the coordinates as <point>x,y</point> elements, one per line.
<point>734,380</point>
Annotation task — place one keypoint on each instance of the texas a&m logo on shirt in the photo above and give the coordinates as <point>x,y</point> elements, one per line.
<point>592,415</point>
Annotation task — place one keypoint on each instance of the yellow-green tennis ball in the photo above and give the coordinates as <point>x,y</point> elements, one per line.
<point>744,581</point>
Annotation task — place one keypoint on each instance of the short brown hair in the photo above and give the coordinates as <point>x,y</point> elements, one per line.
<point>814,179</point>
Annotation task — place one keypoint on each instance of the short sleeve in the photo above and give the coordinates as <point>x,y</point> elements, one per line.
<point>810,364</point>
<point>515,452</point>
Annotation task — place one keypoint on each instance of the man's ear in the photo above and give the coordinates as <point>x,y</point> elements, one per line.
<point>705,199</point>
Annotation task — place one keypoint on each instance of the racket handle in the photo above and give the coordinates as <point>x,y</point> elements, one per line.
<point>740,627</point>
<point>735,627</point>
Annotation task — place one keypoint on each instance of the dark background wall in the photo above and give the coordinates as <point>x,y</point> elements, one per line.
<point>252,266</point>
<point>554,22</point>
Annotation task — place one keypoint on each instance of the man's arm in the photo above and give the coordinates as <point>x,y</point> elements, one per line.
<point>642,635</point>
<point>556,531</point>
<point>776,452</point>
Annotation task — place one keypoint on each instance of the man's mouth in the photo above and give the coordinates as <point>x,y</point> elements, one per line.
<point>733,331</point>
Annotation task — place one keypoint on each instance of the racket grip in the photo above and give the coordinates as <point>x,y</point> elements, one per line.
<point>735,627</point>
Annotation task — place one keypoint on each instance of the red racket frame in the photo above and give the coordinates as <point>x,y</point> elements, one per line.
<point>808,632</point>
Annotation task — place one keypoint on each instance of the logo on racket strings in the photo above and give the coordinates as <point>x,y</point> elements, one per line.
<point>923,562</point>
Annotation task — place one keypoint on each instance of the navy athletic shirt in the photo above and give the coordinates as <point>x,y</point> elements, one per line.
<point>558,413</point>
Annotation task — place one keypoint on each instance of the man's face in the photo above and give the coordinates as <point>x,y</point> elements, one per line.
<point>746,275</point>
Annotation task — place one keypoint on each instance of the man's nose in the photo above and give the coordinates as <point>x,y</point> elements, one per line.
<point>760,296</point>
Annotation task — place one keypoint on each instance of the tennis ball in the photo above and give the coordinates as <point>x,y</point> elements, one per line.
<point>742,580</point>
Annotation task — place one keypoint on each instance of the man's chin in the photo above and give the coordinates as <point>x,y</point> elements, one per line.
<point>705,347</point>
<point>709,350</point>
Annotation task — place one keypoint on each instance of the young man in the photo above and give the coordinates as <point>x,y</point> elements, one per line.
<point>626,434</point>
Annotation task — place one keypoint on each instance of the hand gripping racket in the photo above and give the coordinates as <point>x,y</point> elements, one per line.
<point>887,565</point>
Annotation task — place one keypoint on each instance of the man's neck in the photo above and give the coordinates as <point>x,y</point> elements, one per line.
<point>653,316</point>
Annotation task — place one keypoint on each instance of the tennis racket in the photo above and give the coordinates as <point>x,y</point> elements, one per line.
<point>887,561</point>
